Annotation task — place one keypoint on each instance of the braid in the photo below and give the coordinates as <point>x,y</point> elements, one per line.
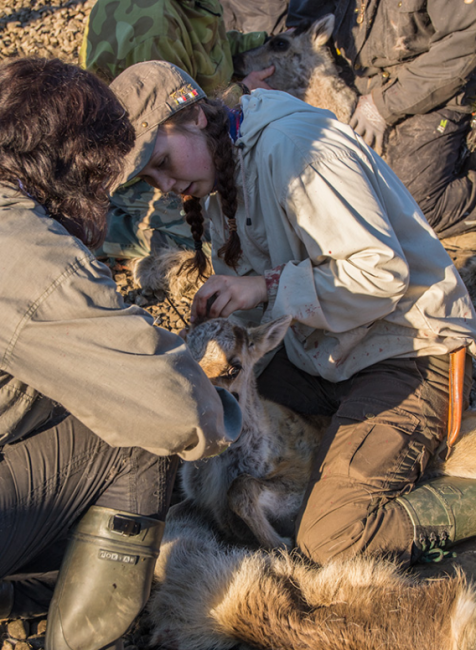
<point>220,146</point>
<point>225,165</point>
<point>194,217</point>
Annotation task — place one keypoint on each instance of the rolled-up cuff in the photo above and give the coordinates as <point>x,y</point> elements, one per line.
<point>272,278</point>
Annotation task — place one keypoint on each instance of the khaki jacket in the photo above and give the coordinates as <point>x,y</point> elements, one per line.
<point>343,245</point>
<point>67,337</point>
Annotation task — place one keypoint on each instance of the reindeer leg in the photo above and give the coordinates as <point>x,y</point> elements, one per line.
<point>245,499</point>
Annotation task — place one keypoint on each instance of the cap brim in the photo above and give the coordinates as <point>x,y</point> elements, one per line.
<point>139,156</point>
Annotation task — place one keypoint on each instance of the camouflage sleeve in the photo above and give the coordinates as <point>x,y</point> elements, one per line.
<point>169,50</point>
<point>240,42</point>
<point>189,34</point>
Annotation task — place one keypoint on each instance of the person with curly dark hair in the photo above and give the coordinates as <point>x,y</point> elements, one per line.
<point>90,390</point>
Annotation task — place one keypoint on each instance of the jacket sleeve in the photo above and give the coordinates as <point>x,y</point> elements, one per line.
<point>352,271</point>
<point>131,383</point>
<point>434,77</point>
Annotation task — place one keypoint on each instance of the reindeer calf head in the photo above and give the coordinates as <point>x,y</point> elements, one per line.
<point>296,55</point>
<point>227,352</point>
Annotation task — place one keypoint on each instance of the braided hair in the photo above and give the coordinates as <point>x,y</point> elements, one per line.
<point>220,146</point>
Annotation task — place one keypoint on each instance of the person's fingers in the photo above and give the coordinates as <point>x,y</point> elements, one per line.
<point>256,78</point>
<point>200,302</point>
<point>266,72</point>
<point>222,305</point>
<point>379,143</point>
<point>369,137</point>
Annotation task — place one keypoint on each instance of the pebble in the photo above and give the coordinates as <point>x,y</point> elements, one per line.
<point>18,629</point>
<point>32,28</point>
<point>41,628</point>
<point>8,645</point>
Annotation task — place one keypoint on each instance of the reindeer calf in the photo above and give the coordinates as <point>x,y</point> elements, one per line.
<point>304,67</point>
<point>257,485</point>
<point>253,490</point>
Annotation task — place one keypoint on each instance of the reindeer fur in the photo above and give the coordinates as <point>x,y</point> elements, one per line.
<point>163,271</point>
<point>210,596</point>
<point>215,593</point>
<point>254,489</point>
<point>304,67</point>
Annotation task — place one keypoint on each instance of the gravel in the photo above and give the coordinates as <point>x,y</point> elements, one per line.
<point>43,28</point>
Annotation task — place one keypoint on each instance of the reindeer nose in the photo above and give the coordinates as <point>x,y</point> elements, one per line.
<point>236,396</point>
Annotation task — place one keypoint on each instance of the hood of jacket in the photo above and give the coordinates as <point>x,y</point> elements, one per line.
<point>263,107</point>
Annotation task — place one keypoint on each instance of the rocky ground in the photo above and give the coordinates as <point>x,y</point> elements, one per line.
<point>42,27</point>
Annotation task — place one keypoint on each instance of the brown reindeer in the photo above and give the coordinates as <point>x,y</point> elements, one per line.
<point>304,67</point>
<point>212,592</point>
<point>210,596</point>
<point>260,480</point>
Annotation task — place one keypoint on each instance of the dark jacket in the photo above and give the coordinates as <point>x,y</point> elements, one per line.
<point>413,55</point>
<point>251,16</point>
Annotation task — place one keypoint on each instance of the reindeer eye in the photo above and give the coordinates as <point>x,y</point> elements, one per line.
<point>233,371</point>
<point>280,44</point>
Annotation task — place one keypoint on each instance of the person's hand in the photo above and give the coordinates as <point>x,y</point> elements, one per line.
<point>256,79</point>
<point>221,295</point>
<point>367,122</point>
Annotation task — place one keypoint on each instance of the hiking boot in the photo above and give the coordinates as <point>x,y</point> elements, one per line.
<point>104,580</point>
<point>442,511</point>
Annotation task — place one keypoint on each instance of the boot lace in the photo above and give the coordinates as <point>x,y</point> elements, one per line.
<point>433,547</point>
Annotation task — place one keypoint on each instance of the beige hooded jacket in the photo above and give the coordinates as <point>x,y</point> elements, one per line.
<point>67,337</point>
<point>342,244</point>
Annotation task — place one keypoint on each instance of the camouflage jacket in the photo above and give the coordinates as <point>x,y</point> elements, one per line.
<point>188,33</point>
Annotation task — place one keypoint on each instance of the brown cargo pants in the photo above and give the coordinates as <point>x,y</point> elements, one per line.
<point>387,420</point>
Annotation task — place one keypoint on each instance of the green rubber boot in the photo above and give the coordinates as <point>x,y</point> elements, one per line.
<point>104,580</point>
<point>442,511</point>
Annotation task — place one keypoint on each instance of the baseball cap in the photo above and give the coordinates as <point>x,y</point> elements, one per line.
<point>151,92</point>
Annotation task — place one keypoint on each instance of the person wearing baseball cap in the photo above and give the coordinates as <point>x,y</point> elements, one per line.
<point>308,221</point>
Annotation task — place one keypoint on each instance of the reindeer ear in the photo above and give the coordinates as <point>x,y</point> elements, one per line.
<point>321,30</point>
<point>266,337</point>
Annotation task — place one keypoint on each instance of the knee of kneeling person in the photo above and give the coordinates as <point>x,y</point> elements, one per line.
<point>322,537</point>
<point>327,531</point>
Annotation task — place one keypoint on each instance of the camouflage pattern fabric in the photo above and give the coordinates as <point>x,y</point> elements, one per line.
<point>141,219</point>
<point>187,33</point>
